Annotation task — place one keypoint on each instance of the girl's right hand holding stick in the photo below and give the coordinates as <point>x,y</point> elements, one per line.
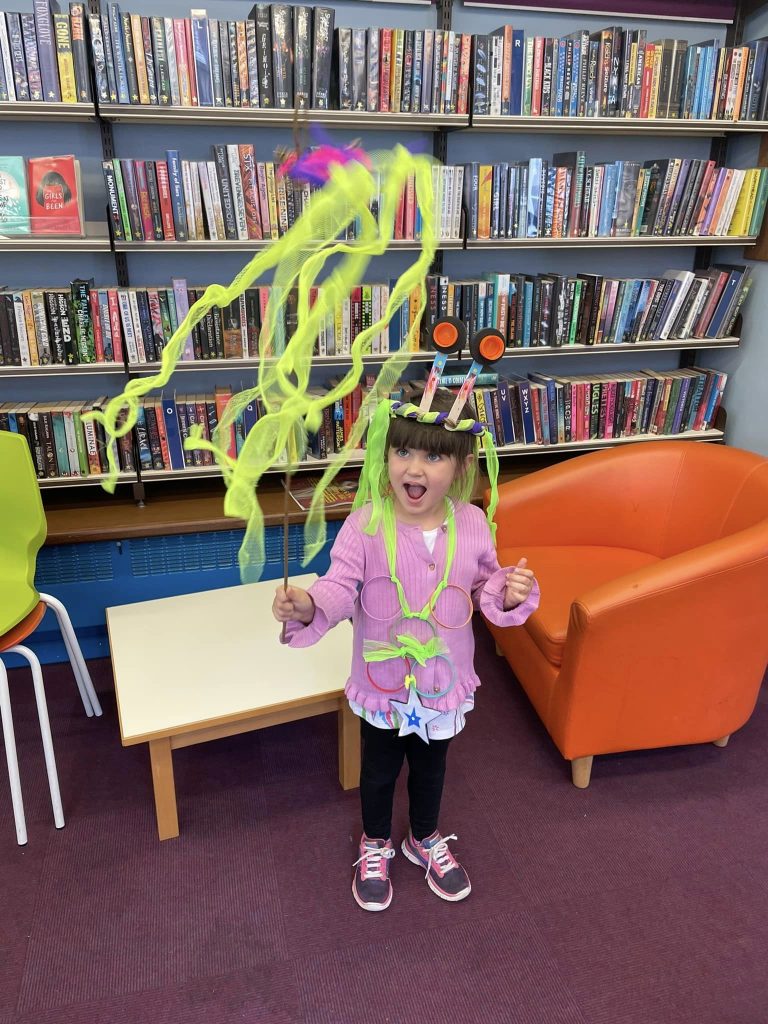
<point>292,604</point>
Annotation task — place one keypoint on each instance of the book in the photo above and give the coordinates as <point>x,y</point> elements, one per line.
<point>14,205</point>
<point>54,196</point>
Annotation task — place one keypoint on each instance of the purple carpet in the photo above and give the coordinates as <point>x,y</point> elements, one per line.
<point>641,900</point>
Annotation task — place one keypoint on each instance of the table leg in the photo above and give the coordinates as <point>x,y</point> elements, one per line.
<point>349,747</point>
<point>161,757</point>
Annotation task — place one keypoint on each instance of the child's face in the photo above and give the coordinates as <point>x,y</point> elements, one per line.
<point>420,482</point>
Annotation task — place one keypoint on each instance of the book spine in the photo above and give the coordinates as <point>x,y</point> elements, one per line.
<point>176,195</point>
<point>80,53</point>
<point>46,51</point>
<point>64,59</point>
<point>98,54</point>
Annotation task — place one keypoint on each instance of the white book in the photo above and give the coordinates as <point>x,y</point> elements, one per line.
<point>346,326</point>
<point>458,191</point>
<point>375,316</point>
<point>446,211</point>
<point>68,415</point>
<point>726,211</point>
<point>205,190</point>
<point>21,328</point>
<point>497,48</point>
<point>133,303</point>
<point>238,195</point>
<point>385,331</point>
<point>686,277</point>
<point>127,321</point>
<point>5,55</point>
<point>197,199</point>
<point>189,205</point>
<point>218,209</point>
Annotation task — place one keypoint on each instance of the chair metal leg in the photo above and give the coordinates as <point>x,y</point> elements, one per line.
<point>80,669</point>
<point>45,732</point>
<point>10,755</point>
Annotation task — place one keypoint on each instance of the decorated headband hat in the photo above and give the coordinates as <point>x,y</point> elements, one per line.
<point>446,335</point>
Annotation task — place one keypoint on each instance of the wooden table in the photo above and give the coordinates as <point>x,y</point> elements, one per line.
<point>201,666</point>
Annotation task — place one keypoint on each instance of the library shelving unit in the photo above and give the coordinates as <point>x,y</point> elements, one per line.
<point>441,127</point>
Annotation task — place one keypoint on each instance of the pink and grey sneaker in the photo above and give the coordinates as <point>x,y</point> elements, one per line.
<point>445,876</point>
<point>371,886</point>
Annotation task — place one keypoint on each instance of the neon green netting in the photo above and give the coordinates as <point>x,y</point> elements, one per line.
<point>290,409</point>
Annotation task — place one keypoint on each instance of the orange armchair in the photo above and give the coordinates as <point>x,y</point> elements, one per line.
<point>653,624</point>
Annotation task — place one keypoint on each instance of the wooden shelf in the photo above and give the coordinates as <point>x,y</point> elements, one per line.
<point>96,240</point>
<point>614,125</point>
<point>381,121</point>
<point>641,241</point>
<point>28,110</point>
<point>249,245</point>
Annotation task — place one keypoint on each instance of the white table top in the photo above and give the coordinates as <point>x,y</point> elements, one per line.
<point>215,656</point>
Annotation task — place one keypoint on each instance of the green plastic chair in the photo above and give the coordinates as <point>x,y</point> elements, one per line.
<point>22,531</point>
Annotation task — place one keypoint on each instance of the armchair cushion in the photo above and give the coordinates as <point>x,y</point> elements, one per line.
<point>564,573</point>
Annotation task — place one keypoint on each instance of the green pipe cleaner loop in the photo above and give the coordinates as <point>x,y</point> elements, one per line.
<point>407,646</point>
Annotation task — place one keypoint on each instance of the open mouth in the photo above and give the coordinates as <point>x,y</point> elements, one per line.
<point>415,491</point>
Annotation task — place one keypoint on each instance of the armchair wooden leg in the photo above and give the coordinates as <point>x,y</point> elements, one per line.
<point>723,741</point>
<point>581,769</point>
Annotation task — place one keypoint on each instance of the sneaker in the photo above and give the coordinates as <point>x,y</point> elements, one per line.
<point>445,876</point>
<point>371,886</point>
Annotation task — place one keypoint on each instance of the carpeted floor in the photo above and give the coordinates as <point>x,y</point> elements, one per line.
<point>641,900</point>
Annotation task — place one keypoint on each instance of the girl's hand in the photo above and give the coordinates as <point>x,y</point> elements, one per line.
<point>519,585</point>
<point>292,604</point>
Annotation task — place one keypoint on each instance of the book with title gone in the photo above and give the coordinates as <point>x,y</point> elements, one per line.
<point>54,196</point>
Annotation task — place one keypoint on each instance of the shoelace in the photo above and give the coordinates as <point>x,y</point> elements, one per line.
<point>373,856</point>
<point>441,855</point>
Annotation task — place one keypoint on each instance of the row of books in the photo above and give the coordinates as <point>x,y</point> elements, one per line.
<point>234,196</point>
<point>617,72</point>
<point>44,55</point>
<point>539,409</point>
<point>82,324</point>
<point>280,57</point>
<point>591,309</point>
<point>568,198</point>
<point>40,196</point>
<point>545,409</point>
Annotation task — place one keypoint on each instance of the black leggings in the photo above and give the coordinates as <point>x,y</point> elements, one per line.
<point>382,759</point>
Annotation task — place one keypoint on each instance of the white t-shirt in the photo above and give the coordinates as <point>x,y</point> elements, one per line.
<point>449,724</point>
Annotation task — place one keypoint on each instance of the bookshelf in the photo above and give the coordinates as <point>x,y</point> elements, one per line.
<point>446,129</point>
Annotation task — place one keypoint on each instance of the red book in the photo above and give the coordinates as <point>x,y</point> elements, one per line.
<point>385,69</point>
<point>115,326</point>
<point>54,196</point>
<point>464,61</point>
<point>166,208</point>
<point>538,69</point>
<point>645,89</point>
<point>250,191</point>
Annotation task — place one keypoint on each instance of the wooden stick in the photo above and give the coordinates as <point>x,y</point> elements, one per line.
<point>286,495</point>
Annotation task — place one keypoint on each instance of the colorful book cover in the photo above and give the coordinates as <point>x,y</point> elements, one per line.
<point>54,196</point>
<point>14,208</point>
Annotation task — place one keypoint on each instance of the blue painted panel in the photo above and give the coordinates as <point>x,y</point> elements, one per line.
<point>89,578</point>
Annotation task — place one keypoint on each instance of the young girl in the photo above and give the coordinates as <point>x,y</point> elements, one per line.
<point>409,567</point>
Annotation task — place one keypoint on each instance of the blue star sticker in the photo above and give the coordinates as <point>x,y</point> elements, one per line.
<point>414,717</point>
